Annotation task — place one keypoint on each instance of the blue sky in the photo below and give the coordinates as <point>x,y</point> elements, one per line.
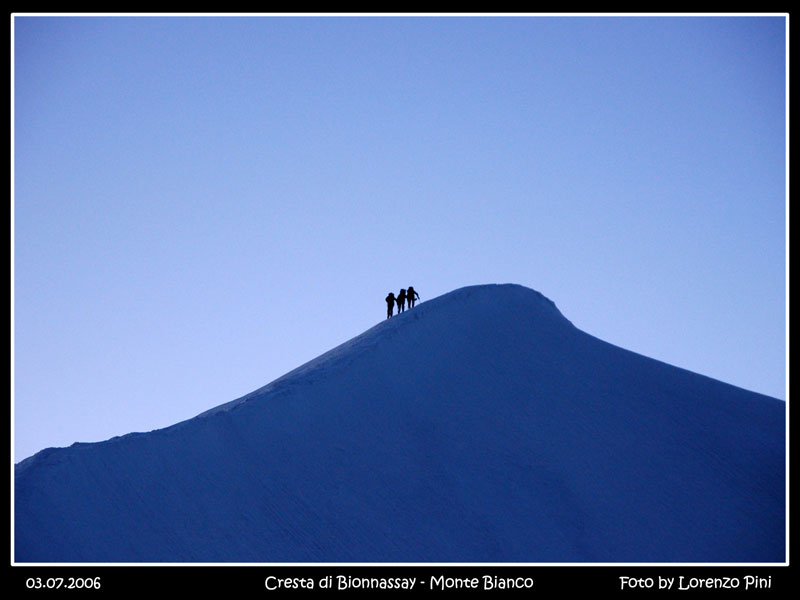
<point>202,204</point>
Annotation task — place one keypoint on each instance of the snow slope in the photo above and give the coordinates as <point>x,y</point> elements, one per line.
<point>480,426</point>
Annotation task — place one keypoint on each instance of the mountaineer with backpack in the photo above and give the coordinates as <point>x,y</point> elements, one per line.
<point>411,296</point>
<point>401,301</point>
<point>389,305</point>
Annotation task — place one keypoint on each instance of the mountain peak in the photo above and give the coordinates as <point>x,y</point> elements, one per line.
<point>478,426</point>
<point>505,296</point>
<point>466,307</point>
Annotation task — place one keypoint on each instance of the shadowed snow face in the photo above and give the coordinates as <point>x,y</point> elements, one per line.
<point>478,426</point>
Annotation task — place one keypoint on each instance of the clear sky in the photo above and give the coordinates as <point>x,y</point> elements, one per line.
<point>202,204</point>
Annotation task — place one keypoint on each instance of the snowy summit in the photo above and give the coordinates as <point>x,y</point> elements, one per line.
<point>480,426</point>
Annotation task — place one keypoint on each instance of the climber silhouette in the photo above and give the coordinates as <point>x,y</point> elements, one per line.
<point>411,296</point>
<point>389,305</point>
<point>401,301</point>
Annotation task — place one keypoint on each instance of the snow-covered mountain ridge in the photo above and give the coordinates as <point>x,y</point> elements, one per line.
<point>479,426</point>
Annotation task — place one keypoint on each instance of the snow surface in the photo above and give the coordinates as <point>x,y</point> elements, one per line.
<point>480,426</point>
